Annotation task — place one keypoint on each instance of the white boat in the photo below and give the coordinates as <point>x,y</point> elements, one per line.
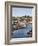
<point>22,24</point>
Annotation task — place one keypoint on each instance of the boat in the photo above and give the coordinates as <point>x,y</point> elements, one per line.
<point>22,24</point>
<point>29,33</point>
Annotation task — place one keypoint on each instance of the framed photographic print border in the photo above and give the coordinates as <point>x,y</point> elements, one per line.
<point>8,8</point>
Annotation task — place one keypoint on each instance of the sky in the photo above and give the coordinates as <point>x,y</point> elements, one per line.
<point>21,11</point>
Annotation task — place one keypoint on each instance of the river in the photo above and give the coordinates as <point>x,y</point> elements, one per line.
<point>22,32</point>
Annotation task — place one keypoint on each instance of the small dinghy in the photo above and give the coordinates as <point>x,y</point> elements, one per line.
<point>23,25</point>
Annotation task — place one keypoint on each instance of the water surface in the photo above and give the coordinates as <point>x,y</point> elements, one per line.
<point>22,32</point>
